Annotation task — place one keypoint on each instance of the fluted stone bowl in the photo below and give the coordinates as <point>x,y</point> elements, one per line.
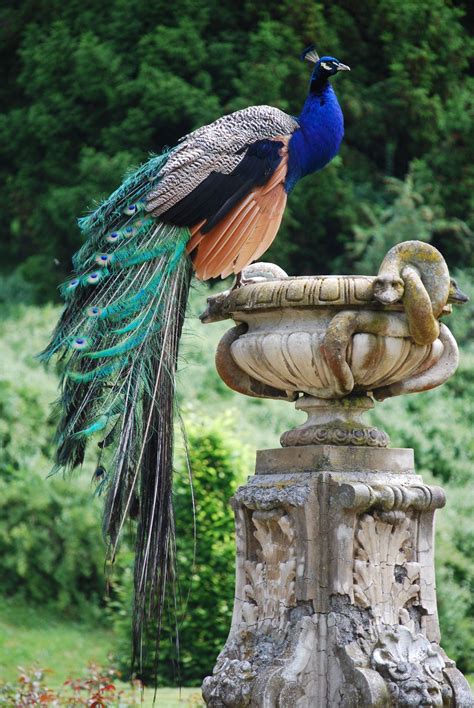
<point>330,339</point>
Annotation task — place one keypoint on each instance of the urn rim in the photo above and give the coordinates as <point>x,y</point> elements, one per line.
<point>305,292</point>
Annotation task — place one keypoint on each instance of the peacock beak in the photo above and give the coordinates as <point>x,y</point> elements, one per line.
<point>343,67</point>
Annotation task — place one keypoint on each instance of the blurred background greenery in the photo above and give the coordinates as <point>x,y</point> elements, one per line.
<point>91,89</point>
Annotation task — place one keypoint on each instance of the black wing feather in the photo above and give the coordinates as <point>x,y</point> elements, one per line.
<point>218,193</point>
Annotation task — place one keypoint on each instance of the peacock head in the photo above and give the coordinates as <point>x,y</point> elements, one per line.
<point>324,67</point>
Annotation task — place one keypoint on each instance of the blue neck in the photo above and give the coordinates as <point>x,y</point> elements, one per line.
<point>319,137</point>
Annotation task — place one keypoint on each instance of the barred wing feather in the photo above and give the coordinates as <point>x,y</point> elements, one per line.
<point>219,146</point>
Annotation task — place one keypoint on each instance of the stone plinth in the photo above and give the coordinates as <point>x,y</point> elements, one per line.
<point>335,593</point>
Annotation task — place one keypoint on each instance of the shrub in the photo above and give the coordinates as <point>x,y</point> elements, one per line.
<point>96,689</point>
<point>455,577</point>
<point>205,560</point>
<point>51,549</point>
<point>436,424</point>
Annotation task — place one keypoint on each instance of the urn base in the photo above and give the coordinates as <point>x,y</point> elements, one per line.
<point>335,422</point>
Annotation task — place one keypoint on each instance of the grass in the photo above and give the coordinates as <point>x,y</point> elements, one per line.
<point>32,636</point>
<point>38,637</point>
<point>174,698</point>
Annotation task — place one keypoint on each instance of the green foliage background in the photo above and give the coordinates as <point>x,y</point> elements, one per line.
<point>90,89</point>
<point>51,549</point>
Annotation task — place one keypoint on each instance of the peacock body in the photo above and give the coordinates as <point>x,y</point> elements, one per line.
<point>212,204</point>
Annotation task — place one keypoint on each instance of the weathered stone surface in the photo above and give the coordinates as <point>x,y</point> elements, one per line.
<point>334,423</point>
<point>329,458</point>
<point>266,498</point>
<point>335,598</point>
<point>295,351</point>
<point>412,668</point>
<point>329,336</point>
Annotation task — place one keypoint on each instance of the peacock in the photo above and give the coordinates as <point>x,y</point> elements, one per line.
<point>212,205</point>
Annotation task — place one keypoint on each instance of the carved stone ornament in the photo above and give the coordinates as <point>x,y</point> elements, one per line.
<point>269,591</point>
<point>230,685</point>
<point>268,595</point>
<point>335,337</point>
<point>335,598</point>
<point>385,578</point>
<point>412,667</point>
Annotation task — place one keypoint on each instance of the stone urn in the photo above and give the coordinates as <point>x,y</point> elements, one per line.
<point>335,596</point>
<point>335,343</point>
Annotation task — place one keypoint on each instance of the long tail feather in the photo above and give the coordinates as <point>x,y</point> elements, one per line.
<point>117,342</point>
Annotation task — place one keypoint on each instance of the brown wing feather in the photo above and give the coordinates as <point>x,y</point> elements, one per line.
<point>272,228</point>
<point>271,212</point>
<point>246,232</point>
<point>196,236</point>
<point>224,262</point>
<point>216,251</point>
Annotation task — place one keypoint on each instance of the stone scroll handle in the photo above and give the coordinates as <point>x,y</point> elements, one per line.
<point>239,380</point>
<point>416,273</point>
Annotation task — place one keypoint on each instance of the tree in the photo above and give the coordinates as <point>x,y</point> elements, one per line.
<point>93,88</point>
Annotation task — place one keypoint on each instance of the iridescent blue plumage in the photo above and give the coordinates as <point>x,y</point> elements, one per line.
<point>321,121</point>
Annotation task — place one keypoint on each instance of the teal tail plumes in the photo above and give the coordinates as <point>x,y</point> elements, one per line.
<point>117,342</point>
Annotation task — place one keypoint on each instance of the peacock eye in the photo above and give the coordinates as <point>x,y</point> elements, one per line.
<point>80,343</point>
<point>103,259</point>
<point>93,311</point>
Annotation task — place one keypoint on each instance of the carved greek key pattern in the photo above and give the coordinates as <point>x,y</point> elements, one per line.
<point>337,290</point>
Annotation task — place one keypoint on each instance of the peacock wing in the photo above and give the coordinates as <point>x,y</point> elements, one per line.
<point>246,232</point>
<point>225,182</point>
<point>214,149</point>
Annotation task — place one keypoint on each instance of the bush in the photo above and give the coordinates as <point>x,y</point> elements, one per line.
<point>455,577</point>
<point>96,689</point>
<point>413,212</point>
<point>436,424</point>
<point>205,560</point>
<point>51,550</point>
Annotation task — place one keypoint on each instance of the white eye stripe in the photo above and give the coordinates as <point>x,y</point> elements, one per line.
<point>326,66</point>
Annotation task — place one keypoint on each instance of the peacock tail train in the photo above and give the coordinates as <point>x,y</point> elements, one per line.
<point>117,341</point>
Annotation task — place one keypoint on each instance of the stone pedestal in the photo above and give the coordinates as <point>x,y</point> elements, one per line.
<point>335,593</point>
<point>335,601</point>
